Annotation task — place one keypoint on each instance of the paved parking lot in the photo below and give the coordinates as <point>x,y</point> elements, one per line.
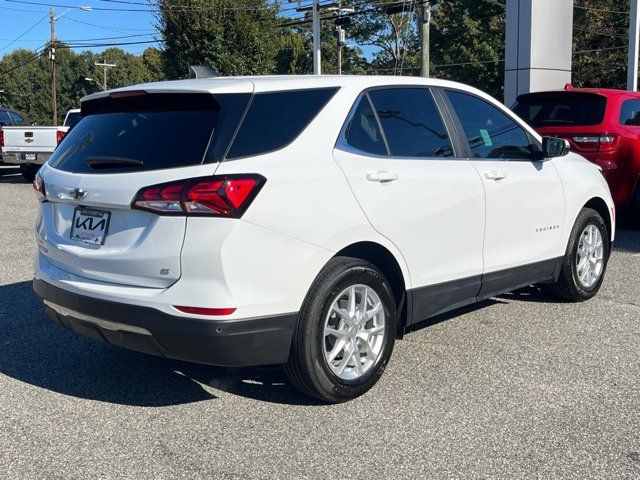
<point>520,386</point>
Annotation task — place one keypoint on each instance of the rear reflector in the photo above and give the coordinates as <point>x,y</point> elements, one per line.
<point>216,196</point>
<point>205,311</point>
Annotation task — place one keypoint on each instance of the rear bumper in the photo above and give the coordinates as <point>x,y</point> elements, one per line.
<point>18,158</point>
<point>237,342</point>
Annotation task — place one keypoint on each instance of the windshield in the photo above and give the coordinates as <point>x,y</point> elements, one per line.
<point>561,109</point>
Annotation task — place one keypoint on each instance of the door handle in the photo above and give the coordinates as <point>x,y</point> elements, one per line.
<point>495,175</point>
<point>382,176</point>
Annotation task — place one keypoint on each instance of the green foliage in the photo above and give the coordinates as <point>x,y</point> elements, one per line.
<point>247,37</point>
<point>467,43</point>
<point>600,39</point>
<point>28,88</point>
<point>235,37</point>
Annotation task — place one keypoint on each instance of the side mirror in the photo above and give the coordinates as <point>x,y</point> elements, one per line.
<point>553,147</point>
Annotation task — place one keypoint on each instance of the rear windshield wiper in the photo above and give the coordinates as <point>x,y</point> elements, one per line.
<point>112,162</point>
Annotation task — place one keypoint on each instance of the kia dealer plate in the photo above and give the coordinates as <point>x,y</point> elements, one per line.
<point>90,225</point>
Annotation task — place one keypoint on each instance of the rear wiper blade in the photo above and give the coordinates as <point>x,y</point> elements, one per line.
<point>112,162</point>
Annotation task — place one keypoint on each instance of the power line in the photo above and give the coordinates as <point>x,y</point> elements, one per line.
<point>601,10</point>
<point>27,31</point>
<point>120,29</point>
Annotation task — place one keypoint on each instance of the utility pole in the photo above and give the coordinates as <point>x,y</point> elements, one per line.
<point>340,37</point>
<point>105,67</point>
<point>52,56</point>
<point>634,37</point>
<point>425,24</point>
<point>317,52</point>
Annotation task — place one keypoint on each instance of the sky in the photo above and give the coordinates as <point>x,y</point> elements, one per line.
<point>18,19</point>
<point>25,23</point>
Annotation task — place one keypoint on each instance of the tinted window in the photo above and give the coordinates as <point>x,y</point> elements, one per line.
<point>146,132</point>
<point>411,122</point>
<point>276,119</point>
<point>560,109</point>
<point>630,113</point>
<point>490,132</point>
<point>18,120</point>
<point>363,130</point>
<point>72,119</point>
<point>4,118</point>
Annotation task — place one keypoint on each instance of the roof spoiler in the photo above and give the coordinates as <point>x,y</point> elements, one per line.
<point>202,71</point>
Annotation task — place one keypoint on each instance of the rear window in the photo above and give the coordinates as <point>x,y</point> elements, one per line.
<point>275,119</point>
<point>72,119</point>
<point>561,109</point>
<point>149,132</point>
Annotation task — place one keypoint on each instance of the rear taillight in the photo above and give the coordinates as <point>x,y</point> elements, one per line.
<point>60,134</point>
<point>217,196</point>
<point>597,143</point>
<point>40,188</point>
<point>1,138</point>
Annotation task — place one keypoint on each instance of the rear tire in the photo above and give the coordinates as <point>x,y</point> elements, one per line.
<point>29,171</point>
<point>330,325</point>
<point>585,261</point>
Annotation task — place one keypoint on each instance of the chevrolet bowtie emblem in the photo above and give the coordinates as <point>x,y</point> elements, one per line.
<point>77,193</point>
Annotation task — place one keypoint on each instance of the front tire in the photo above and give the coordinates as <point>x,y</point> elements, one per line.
<point>345,332</point>
<point>585,261</point>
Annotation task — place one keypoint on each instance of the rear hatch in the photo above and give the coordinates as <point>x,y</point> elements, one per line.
<point>574,116</point>
<point>123,143</point>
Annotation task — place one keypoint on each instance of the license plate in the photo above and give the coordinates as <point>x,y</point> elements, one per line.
<point>30,156</point>
<point>90,225</point>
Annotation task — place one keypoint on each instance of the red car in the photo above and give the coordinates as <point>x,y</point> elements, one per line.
<point>602,125</point>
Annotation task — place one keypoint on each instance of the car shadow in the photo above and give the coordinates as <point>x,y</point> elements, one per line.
<point>34,350</point>
<point>627,240</point>
<point>531,294</point>
<point>11,175</point>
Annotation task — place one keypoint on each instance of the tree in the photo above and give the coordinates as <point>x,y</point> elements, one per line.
<point>467,43</point>
<point>26,77</point>
<point>393,34</point>
<point>600,43</point>
<point>235,37</point>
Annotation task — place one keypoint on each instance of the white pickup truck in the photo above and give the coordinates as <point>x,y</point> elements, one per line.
<point>31,146</point>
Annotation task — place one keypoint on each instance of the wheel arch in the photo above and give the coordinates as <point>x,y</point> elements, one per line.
<point>386,261</point>
<point>600,206</point>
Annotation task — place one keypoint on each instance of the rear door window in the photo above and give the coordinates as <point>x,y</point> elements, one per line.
<point>147,132</point>
<point>562,109</point>
<point>275,119</point>
<point>630,113</point>
<point>411,122</point>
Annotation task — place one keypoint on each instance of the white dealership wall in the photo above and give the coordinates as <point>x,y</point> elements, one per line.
<point>538,46</point>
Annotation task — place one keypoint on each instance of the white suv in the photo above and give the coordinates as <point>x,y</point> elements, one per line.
<point>305,221</point>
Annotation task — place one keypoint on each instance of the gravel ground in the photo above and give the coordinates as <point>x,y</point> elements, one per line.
<point>520,386</point>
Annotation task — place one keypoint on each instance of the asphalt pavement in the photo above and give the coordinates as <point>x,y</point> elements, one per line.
<point>520,386</point>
